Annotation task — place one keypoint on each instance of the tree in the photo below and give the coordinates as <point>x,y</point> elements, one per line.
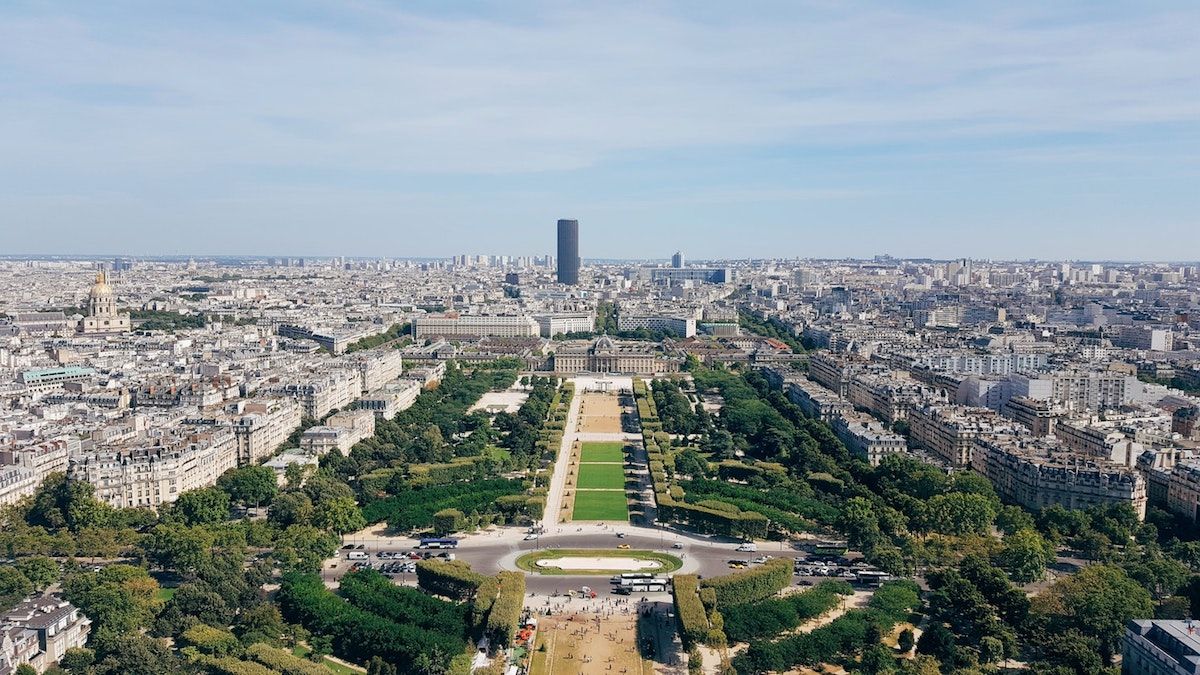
<point>119,599</point>
<point>192,604</point>
<point>77,660</point>
<point>1012,519</point>
<point>260,623</point>
<point>447,521</point>
<point>249,485</point>
<point>1025,556</point>
<point>25,669</point>
<point>290,508</point>
<point>860,523</point>
<point>13,586</point>
<point>172,546</point>
<point>321,488</point>
<point>906,640</point>
<point>62,503</point>
<point>938,642</point>
<point>304,547</point>
<point>203,506</point>
<point>961,513</point>
<point>1098,601</point>
<point>877,660</point>
<point>294,475</point>
<point>135,654</point>
<point>39,570</point>
<point>339,515</point>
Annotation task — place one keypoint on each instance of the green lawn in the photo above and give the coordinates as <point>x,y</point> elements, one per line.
<point>600,505</point>
<point>602,452</point>
<point>610,476</point>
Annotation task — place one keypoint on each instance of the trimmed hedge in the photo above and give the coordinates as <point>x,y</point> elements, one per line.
<point>284,662</point>
<point>753,584</point>
<point>506,610</point>
<point>231,666</point>
<point>358,635</point>
<point>375,593</point>
<point>209,640</point>
<point>454,579</point>
<point>689,610</point>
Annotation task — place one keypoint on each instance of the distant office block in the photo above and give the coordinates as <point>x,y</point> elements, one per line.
<point>677,260</point>
<point>568,252</point>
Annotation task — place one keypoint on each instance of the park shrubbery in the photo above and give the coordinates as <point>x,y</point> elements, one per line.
<point>751,585</point>
<point>375,593</point>
<point>767,618</point>
<point>693,618</point>
<point>455,580</point>
<point>357,634</point>
<point>506,610</point>
<point>845,637</point>
<point>283,662</point>
<point>417,508</point>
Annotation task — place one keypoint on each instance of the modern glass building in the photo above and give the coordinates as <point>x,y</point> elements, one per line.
<point>568,252</point>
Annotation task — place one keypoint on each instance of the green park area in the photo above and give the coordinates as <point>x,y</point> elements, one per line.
<point>600,505</point>
<point>602,452</point>
<point>529,562</point>
<point>601,476</point>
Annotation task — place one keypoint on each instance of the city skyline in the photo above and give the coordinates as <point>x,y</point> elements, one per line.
<point>222,129</point>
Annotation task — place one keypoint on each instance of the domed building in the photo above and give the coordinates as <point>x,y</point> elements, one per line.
<point>102,317</point>
<point>605,355</point>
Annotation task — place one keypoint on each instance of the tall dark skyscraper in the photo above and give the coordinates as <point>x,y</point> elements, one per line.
<point>568,252</point>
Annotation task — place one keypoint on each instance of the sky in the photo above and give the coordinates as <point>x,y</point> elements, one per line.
<point>1053,130</point>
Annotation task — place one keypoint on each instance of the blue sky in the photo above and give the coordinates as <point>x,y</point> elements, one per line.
<point>823,128</point>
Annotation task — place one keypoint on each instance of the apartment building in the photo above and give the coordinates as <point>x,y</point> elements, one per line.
<point>1036,415</point>
<point>682,326</point>
<point>452,325</point>
<point>1161,647</point>
<point>867,438</point>
<point>375,367</point>
<point>322,391</point>
<point>949,432</point>
<point>833,371</point>
<point>38,631</point>
<point>340,432</point>
<point>815,400</point>
<point>550,325</point>
<point>159,469</point>
<point>264,425</point>
<point>391,398</point>
<point>887,398</point>
<point>1036,474</point>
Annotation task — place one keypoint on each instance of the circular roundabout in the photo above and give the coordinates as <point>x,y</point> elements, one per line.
<point>596,562</point>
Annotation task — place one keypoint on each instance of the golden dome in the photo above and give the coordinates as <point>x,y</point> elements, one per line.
<point>101,289</point>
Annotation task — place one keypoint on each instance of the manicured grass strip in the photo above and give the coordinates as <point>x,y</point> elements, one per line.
<point>602,452</point>
<point>528,562</point>
<point>600,505</point>
<point>603,476</point>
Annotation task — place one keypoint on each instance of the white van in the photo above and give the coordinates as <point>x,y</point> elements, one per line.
<point>356,555</point>
<point>748,547</point>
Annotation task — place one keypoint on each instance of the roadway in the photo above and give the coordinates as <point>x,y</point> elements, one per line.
<point>491,551</point>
